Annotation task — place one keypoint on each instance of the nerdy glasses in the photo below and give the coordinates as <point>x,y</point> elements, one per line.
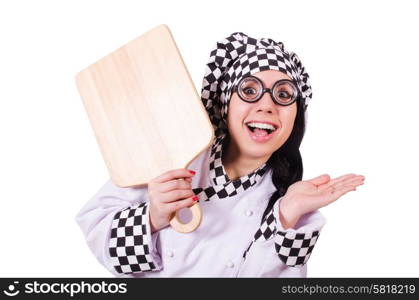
<point>250,89</point>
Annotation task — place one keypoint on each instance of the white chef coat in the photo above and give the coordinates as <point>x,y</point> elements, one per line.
<point>216,247</point>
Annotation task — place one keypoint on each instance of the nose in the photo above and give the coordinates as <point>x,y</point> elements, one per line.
<point>266,103</point>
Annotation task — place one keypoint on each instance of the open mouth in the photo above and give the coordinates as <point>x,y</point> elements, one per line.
<point>261,132</point>
<point>268,128</point>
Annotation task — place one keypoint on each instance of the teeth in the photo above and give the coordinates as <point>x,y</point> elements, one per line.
<point>261,125</point>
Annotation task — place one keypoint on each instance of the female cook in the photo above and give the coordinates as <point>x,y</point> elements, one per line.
<point>260,219</point>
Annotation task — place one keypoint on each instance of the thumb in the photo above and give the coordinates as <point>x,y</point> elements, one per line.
<point>319,180</point>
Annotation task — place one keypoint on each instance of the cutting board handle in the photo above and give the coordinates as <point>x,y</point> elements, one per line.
<point>177,224</point>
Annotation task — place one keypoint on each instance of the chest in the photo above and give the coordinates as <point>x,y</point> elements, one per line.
<point>227,228</point>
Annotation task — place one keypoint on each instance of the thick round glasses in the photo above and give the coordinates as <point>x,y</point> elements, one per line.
<point>250,89</point>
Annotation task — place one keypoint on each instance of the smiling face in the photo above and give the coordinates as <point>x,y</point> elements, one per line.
<point>253,142</point>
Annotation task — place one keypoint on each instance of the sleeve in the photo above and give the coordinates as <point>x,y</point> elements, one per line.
<point>279,252</point>
<point>294,246</point>
<point>115,223</point>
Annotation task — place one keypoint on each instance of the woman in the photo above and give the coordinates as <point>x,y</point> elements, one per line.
<point>260,218</point>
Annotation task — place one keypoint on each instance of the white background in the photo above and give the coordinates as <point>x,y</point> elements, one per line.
<point>362,57</point>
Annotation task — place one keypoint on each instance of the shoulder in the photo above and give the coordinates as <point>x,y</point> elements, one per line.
<point>201,160</point>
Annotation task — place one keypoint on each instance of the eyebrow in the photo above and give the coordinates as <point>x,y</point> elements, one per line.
<point>264,83</point>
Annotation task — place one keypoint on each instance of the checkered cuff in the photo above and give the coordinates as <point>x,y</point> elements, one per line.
<point>131,245</point>
<point>293,246</point>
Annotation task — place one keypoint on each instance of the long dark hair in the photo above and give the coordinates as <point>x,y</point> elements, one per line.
<point>286,162</point>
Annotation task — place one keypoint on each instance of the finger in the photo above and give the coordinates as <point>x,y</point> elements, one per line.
<point>174,174</point>
<point>357,181</point>
<point>335,188</point>
<point>352,184</point>
<point>176,184</point>
<point>176,195</point>
<point>342,191</point>
<point>341,178</point>
<point>334,181</point>
<point>322,179</point>
<point>352,180</point>
<point>332,194</point>
<point>176,205</point>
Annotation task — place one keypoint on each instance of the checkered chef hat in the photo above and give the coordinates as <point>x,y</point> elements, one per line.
<point>240,55</point>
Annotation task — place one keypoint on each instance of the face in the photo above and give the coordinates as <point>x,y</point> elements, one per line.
<point>254,142</point>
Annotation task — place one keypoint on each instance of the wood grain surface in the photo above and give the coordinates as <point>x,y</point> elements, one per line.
<point>144,109</point>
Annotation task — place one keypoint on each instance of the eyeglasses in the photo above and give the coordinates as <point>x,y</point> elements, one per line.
<point>250,89</point>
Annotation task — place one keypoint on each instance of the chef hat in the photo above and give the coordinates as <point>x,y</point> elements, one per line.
<point>240,55</point>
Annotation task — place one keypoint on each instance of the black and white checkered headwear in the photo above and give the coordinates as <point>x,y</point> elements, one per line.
<point>240,55</point>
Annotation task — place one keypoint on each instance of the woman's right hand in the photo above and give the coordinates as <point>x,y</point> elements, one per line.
<point>168,193</point>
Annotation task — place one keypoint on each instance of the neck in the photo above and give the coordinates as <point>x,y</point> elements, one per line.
<point>236,164</point>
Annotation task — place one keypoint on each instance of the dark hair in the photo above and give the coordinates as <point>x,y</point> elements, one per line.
<point>286,162</point>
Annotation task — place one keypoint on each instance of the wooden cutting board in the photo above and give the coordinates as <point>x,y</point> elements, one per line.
<point>144,109</point>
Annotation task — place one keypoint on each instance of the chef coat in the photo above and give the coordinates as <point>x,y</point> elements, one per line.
<point>230,242</point>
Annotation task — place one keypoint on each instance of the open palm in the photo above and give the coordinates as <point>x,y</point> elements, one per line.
<point>309,195</point>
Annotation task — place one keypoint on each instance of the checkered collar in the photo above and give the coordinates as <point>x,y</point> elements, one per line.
<point>217,172</point>
<point>220,185</point>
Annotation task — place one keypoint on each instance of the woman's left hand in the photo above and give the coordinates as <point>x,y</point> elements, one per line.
<point>306,196</point>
